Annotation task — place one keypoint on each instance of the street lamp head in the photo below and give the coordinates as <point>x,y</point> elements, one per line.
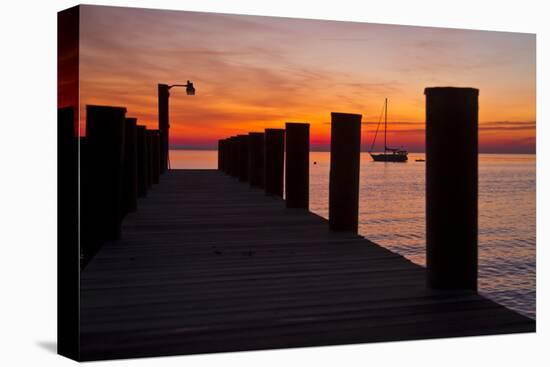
<point>190,89</point>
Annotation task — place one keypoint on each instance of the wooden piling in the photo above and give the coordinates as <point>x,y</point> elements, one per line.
<point>155,156</point>
<point>130,167</point>
<point>220,155</point>
<point>226,155</point>
<point>243,157</point>
<point>345,146</point>
<point>164,125</point>
<point>297,165</point>
<point>256,159</point>
<point>451,187</point>
<point>232,153</point>
<point>149,141</point>
<point>142,161</point>
<point>274,144</point>
<point>105,127</point>
<point>235,156</point>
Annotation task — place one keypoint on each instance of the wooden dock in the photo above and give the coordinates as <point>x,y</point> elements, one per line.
<point>209,264</point>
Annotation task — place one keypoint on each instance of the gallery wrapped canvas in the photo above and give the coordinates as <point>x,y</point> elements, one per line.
<point>233,182</point>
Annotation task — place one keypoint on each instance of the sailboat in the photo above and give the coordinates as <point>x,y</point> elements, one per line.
<point>390,154</point>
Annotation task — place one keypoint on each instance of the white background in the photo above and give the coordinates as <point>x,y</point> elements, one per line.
<point>28,183</point>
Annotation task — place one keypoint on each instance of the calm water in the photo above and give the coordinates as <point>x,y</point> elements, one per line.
<point>391,213</point>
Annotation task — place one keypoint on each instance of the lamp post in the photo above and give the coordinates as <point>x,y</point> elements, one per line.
<point>164,124</point>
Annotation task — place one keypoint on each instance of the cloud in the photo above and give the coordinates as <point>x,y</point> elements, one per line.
<point>508,126</point>
<point>254,72</point>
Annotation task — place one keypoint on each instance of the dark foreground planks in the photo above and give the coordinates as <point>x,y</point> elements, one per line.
<point>208,264</point>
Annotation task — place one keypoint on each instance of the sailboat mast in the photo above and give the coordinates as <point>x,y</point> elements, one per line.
<point>385,124</point>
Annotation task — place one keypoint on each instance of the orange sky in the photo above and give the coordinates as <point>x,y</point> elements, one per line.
<point>257,72</point>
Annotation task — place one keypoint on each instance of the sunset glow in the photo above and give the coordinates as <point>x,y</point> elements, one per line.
<point>252,73</point>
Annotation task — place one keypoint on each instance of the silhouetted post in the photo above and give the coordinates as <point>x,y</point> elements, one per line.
<point>345,146</point>
<point>226,155</point>
<point>155,156</point>
<point>130,167</point>
<point>164,125</point>
<point>105,142</point>
<point>149,158</point>
<point>235,156</point>
<point>451,187</point>
<point>297,165</point>
<point>256,159</point>
<point>142,161</point>
<point>230,150</point>
<point>274,161</point>
<point>243,157</point>
<point>220,155</point>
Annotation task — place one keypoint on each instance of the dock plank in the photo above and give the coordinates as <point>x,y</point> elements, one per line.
<point>208,264</point>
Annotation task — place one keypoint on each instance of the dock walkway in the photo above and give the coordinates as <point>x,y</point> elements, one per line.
<point>209,264</point>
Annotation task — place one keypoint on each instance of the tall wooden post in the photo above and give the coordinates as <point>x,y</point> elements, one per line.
<point>345,146</point>
<point>243,157</point>
<point>226,155</point>
<point>451,187</point>
<point>149,137</point>
<point>274,161</point>
<point>233,153</point>
<point>235,156</point>
<point>155,156</point>
<point>297,165</point>
<point>230,155</point>
<point>105,143</point>
<point>220,155</point>
<point>130,167</point>
<point>225,159</point>
<point>142,160</point>
<point>256,159</point>
<point>164,125</point>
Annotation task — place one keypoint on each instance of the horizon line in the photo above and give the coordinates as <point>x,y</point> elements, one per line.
<point>213,149</point>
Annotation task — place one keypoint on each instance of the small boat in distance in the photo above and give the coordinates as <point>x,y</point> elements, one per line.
<point>390,154</point>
